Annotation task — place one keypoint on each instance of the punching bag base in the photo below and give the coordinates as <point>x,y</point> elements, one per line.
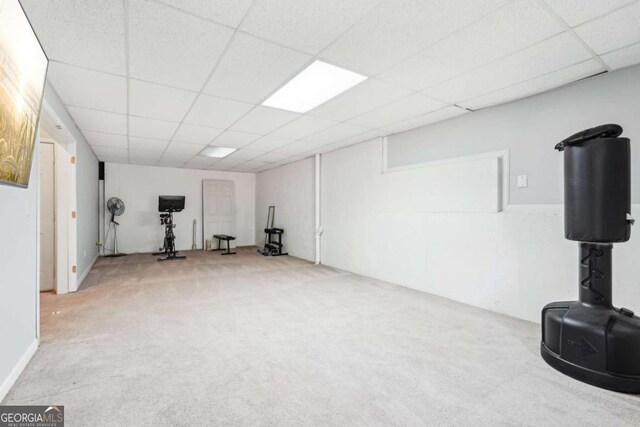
<point>594,344</point>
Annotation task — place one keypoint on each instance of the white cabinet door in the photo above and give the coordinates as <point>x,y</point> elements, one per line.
<point>218,209</point>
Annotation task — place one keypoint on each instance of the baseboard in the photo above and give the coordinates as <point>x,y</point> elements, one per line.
<point>86,273</point>
<point>17,370</point>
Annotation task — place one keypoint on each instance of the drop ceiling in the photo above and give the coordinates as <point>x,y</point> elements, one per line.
<point>154,82</point>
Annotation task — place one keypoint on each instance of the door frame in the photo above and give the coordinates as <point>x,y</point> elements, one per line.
<point>65,200</point>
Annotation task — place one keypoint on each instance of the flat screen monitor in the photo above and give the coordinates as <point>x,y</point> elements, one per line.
<point>170,203</point>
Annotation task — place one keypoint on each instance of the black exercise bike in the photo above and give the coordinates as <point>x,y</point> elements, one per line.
<point>167,205</point>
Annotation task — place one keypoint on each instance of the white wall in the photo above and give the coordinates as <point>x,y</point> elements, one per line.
<point>86,197</point>
<point>18,276</point>
<point>511,262</point>
<point>139,188</point>
<point>530,128</point>
<point>87,205</point>
<point>291,189</point>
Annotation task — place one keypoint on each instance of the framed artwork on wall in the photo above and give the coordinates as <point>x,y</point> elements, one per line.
<point>23,70</point>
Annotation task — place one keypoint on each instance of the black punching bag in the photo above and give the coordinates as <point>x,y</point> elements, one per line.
<point>589,339</point>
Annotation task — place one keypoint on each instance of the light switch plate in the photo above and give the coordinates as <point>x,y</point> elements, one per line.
<point>523,181</point>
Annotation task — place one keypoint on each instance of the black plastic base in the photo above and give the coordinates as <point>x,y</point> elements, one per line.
<point>594,344</point>
<point>598,379</point>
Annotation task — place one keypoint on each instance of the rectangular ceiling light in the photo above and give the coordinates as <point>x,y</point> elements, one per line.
<point>316,84</point>
<point>217,152</point>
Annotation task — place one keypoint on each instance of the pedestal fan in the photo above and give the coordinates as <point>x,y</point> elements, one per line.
<point>116,207</point>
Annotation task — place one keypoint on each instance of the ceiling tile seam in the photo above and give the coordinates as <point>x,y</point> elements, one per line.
<point>571,31</point>
<point>528,80</point>
<point>492,62</point>
<point>192,14</point>
<point>426,47</point>
<point>604,14</point>
<point>126,65</point>
<point>621,48</point>
<point>210,76</point>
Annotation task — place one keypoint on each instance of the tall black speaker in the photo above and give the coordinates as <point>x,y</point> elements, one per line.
<point>590,339</point>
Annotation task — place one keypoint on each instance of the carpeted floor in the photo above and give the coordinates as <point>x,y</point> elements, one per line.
<point>251,340</point>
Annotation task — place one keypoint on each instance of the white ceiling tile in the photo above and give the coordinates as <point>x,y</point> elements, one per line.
<point>425,119</point>
<point>196,134</point>
<point>298,147</point>
<point>366,96</point>
<point>243,154</point>
<point>263,120</point>
<point>172,48</point>
<point>551,55</point>
<point>393,32</point>
<point>176,157</point>
<point>234,139</point>
<point>268,143</point>
<point>142,162</point>
<point>516,26</point>
<point>623,57</point>
<point>537,85</point>
<point>252,69</point>
<point>158,102</point>
<point>227,12</point>
<point>307,25</point>
<point>111,151</point>
<point>303,126</point>
<point>249,166</point>
<point>81,87</point>
<point>226,163</point>
<point>575,12</point>
<point>183,148</point>
<point>89,33</point>
<point>618,29</point>
<point>335,133</point>
<point>99,121</point>
<point>105,139</point>
<point>272,157</point>
<point>171,163</point>
<point>216,112</point>
<point>200,162</point>
<point>147,144</point>
<point>147,156</point>
<point>402,109</point>
<point>151,128</point>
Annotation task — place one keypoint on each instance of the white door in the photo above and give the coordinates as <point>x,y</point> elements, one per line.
<point>47,217</point>
<point>218,209</point>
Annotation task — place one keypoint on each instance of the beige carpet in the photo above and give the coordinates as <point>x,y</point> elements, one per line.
<point>251,340</point>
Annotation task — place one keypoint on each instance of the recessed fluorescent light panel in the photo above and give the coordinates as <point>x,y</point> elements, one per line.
<point>316,84</point>
<point>217,152</point>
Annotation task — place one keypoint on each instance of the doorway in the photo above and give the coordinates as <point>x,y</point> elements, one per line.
<point>218,209</point>
<point>47,217</point>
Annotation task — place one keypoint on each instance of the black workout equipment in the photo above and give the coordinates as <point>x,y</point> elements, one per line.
<point>167,205</point>
<point>590,339</point>
<point>116,207</point>
<point>272,247</point>
<point>228,239</point>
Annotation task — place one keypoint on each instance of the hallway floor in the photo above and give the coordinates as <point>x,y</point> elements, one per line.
<point>252,340</point>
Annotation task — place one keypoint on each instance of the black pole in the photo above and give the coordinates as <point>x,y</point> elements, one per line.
<point>595,274</point>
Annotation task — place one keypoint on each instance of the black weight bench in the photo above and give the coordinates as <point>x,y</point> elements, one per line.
<point>228,239</point>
